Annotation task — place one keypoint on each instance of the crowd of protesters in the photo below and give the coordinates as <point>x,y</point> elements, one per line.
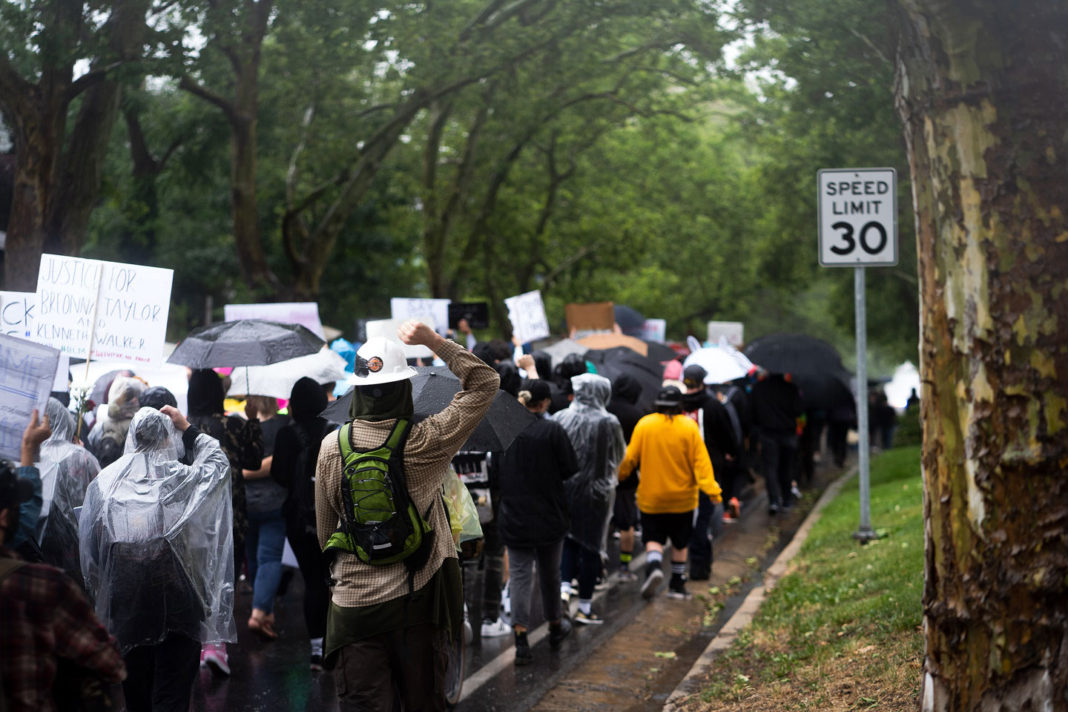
<point>126,537</point>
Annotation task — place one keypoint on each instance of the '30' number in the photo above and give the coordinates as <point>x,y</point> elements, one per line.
<point>851,242</point>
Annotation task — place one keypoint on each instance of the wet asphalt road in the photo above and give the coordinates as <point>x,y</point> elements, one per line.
<point>632,662</point>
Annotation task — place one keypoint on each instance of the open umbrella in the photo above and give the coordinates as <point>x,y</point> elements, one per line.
<point>563,348</point>
<point>612,363</point>
<point>722,365</point>
<point>659,352</point>
<point>794,353</point>
<point>277,379</point>
<point>630,320</point>
<point>432,391</point>
<point>245,342</point>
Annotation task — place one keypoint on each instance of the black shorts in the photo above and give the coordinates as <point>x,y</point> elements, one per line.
<point>678,527</point>
<point>625,511</point>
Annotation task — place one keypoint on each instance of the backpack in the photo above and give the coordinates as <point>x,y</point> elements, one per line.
<point>380,524</point>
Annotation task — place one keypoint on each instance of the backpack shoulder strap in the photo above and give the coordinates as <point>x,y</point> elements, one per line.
<point>343,441</point>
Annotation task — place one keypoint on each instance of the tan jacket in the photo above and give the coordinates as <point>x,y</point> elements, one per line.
<point>430,447</point>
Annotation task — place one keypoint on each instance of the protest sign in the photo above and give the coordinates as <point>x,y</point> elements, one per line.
<point>17,310</point>
<point>654,330</point>
<point>527,314</point>
<point>730,332</point>
<point>27,371</point>
<point>434,312</point>
<point>303,313</point>
<point>476,314</point>
<point>590,317</point>
<point>387,328</point>
<point>104,311</point>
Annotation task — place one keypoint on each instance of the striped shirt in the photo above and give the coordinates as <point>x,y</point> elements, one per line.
<point>430,447</point>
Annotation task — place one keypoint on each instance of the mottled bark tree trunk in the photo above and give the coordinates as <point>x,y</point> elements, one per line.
<point>982,88</point>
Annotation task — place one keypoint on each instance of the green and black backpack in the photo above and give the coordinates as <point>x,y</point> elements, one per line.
<point>380,524</point>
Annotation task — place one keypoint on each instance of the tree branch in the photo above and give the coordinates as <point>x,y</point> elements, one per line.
<point>198,90</point>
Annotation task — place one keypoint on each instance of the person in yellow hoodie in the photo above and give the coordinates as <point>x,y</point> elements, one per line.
<point>674,464</point>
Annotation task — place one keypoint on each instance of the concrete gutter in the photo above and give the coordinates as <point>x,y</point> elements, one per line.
<point>695,678</point>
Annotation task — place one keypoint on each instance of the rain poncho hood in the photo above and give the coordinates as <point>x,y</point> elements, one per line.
<point>66,471</point>
<point>157,540</point>
<point>598,442</point>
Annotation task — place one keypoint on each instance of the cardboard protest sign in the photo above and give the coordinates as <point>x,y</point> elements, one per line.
<point>303,313</point>
<point>104,311</point>
<point>527,314</point>
<point>388,328</point>
<point>434,312</point>
<point>729,331</point>
<point>592,316</point>
<point>27,371</point>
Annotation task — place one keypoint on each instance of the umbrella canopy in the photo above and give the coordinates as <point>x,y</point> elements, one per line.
<point>432,391</point>
<point>659,352</point>
<point>824,391</point>
<point>245,342</point>
<point>611,341</point>
<point>563,348</point>
<point>724,364</point>
<point>794,353</point>
<point>630,320</point>
<point>612,363</point>
<point>277,379</point>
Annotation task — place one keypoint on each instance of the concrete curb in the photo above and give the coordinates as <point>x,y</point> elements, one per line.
<point>691,684</point>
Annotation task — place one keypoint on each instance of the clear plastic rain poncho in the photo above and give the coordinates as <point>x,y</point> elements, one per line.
<point>106,438</point>
<point>157,539</point>
<point>598,441</point>
<point>66,471</point>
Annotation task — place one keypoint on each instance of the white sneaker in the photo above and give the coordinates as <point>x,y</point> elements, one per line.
<point>495,629</point>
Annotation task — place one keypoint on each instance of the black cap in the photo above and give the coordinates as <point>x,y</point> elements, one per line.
<point>13,489</point>
<point>668,397</point>
<point>694,375</point>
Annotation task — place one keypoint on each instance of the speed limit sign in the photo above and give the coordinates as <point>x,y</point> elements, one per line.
<point>858,217</point>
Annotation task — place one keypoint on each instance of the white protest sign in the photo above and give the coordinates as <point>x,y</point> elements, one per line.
<point>17,311</point>
<point>527,314</point>
<point>303,313</point>
<point>122,308</point>
<point>27,371</point>
<point>434,312</point>
<point>387,328</point>
<point>654,330</point>
<point>728,331</point>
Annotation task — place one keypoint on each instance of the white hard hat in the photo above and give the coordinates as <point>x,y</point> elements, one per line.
<point>380,360</point>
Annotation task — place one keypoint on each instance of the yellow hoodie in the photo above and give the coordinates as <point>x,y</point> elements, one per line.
<point>674,464</point>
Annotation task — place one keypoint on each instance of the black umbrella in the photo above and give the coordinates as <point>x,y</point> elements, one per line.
<point>794,353</point>
<point>824,391</point>
<point>614,362</point>
<point>432,391</point>
<point>660,352</point>
<point>630,320</point>
<point>245,342</point>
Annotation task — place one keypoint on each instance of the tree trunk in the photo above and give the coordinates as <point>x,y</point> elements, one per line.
<point>981,89</point>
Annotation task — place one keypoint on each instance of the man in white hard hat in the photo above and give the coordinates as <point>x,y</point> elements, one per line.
<point>387,632</point>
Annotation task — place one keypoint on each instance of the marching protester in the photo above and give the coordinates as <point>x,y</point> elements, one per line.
<point>598,441</point>
<point>776,409</point>
<point>157,555</point>
<point>66,471</point>
<point>534,517</point>
<point>296,450</point>
<point>674,464</point>
<point>704,408</point>
<point>389,624</point>
<point>44,616</point>
<point>242,442</point>
<point>624,405</point>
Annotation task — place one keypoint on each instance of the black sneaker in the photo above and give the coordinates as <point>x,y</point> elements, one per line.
<point>677,587</point>
<point>523,656</point>
<point>653,578</point>
<point>558,633</point>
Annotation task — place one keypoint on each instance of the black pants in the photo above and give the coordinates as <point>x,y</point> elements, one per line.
<point>313,568</point>
<point>778,451</point>
<point>159,678</point>
<point>579,562</point>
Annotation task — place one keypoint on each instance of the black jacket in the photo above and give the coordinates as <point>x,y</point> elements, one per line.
<point>533,508</point>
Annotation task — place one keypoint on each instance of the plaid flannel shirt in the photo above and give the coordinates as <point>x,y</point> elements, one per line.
<point>44,616</point>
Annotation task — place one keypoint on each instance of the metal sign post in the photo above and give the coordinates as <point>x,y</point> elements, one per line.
<point>858,228</point>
